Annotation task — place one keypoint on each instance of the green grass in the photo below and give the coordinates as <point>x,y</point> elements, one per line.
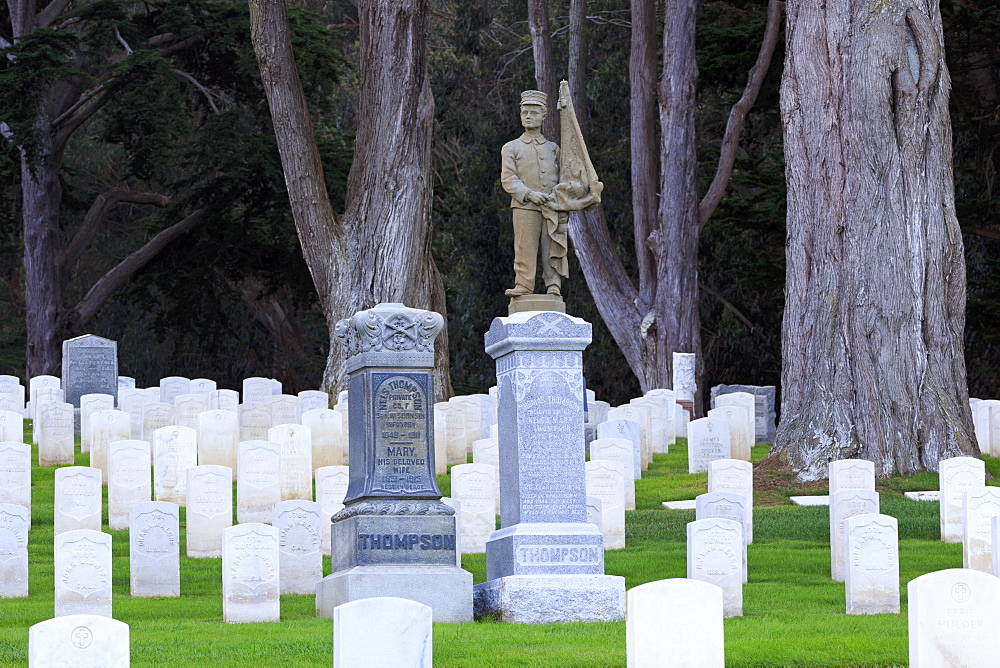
<point>793,612</point>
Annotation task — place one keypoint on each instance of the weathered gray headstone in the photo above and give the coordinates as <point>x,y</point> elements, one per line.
<point>957,475</point>
<point>394,536</point>
<point>83,573</point>
<point>546,563</point>
<point>77,499</point>
<point>55,434</point>
<point>250,578</point>
<point>258,483</point>
<point>954,618</point>
<point>715,555</point>
<point>129,480</point>
<point>872,565</point>
<point>209,509</point>
<point>81,641</point>
<point>677,618</point>
<point>14,525</point>
<point>844,505</point>
<point>155,549</point>
<point>89,366</point>
<point>300,555</point>
<point>397,629</point>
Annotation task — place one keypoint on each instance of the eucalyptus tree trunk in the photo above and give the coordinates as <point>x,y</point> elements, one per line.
<point>872,357</point>
<point>380,251</point>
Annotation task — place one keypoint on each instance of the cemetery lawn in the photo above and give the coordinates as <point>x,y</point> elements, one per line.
<point>793,612</point>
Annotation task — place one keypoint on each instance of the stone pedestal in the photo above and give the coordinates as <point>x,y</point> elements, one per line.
<point>394,536</point>
<point>546,563</point>
<point>526,303</point>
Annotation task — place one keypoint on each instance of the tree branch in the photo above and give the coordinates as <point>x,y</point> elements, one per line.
<point>108,284</point>
<point>984,232</point>
<point>95,217</point>
<point>731,139</point>
<point>52,11</point>
<point>205,91</point>
<point>121,40</point>
<point>728,304</point>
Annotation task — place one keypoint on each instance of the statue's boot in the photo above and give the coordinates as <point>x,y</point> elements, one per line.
<point>517,291</point>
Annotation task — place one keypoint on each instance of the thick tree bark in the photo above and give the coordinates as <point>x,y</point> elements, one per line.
<point>381,250</point>
<point>675,243</point>
<point>577,70</point>
<point>321,233</point>
<point>545,77</point>
<point>872,357</point>
<point>390,187</point>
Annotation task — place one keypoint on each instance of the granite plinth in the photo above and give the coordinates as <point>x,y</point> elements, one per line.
<point>372,540</point>
<point>550,548</point>
<point>446,589</point>
<point>552,599</point>
<point>525,303</point>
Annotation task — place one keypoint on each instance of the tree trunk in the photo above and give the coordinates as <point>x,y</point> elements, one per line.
<point>41,199</point>
<point>545,78</point>
<point>872,357</point>
<point>321,234</point>
<point>675,243</point>
<point>578,63</point>
<point>390,187</point>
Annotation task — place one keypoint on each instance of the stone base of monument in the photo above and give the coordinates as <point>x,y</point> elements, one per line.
<point>688,406</point>
<point>551,599</point>
<point>525,303</point>
<point>446,589</point>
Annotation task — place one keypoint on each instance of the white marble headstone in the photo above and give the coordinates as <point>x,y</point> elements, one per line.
<point>715,555</point>
<point>172,387</point>
<point>15,473</point>
<point>256,390</point>
<point>175,450</point>
<point>327,436</point>
<point>676,618</point>
<point>296,460</point>
<point>255,422</point>
<point>474,486</point>
<point>954,618</point>
<point>89,403</point>
<point>218,434</point>
<point>187,408</point>
<point>55,434</point>
<point>129,480</point>
<point>606,481</point>
<point>14,525</point>
<point>284,409</point>
<point>980,506</point>
<point>81,641</point>
<point>258,484</point>
<point>847,474</point>
<point>399,630</point>
<point>844,505</point>
<point>872,565</point>
<point>250,577</point>
<point>209,509</point>
<point>77,499</point>
<point>310,400</point>
<point>83,573</point>
<point>300,555</point>
<point>740,435</point>
<point>155,415</point>
<point>331,488</point>
<point>621,450</point>
<point>734,477</point>
<point>957,475</point>
<point>105,428</point>
<point>154,549</point>
<point>708,439</point>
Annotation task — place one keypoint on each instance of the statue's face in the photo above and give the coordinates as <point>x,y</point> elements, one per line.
<point>532,116</point>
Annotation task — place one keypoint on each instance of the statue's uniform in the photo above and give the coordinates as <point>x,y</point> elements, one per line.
<point>530,164</point>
